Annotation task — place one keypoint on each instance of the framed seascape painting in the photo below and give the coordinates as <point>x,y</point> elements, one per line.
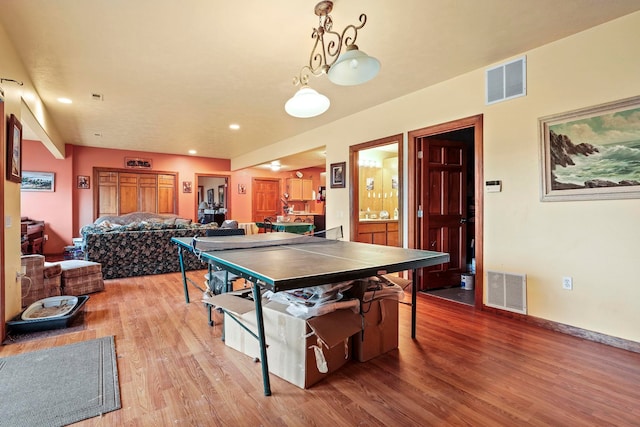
<point>38,181</point>
<point>592,153</point>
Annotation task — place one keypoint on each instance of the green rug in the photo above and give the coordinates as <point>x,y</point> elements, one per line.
<point>59,386</point>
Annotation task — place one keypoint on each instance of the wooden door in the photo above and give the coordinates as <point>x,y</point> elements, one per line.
<point>147,193</point>
<point>107,193</point>
<point>266,198</point>
<point>128,189</point>
<point>443,189</point>
<point>166,194</point>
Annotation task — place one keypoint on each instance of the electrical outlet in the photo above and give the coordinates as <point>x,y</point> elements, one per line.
<point>567,283</point>
<point>22,273</point>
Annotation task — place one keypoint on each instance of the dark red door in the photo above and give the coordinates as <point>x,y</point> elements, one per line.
<point>442,227</point>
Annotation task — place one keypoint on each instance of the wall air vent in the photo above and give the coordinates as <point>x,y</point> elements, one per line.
<point>506,81</point>
<point>507,291</point>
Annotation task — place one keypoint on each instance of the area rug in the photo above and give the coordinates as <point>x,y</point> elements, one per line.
<point>59,386</point>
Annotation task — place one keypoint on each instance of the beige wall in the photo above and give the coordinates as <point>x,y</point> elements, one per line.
<point>25,104</point>
<point>595,242</point>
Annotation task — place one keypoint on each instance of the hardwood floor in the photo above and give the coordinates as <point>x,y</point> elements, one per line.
<point>465,368</point>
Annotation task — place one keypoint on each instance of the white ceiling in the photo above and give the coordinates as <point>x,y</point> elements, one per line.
<point>175,74</point>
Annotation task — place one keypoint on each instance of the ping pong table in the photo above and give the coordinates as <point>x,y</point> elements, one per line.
<point>284,261</point>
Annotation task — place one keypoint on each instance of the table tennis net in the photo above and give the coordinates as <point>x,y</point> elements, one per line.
<point>222,243</point>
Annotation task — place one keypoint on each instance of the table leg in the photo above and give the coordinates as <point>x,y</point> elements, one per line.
<point>261,340</point>
<point>184,275</point>
<point>414,300</point>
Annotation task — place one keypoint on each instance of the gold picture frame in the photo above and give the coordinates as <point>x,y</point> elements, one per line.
<point>591,153</point>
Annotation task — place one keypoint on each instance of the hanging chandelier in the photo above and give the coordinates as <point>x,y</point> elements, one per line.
<point>348,68</point>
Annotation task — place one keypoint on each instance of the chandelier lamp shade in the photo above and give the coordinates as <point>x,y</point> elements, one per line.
<point>348,68</point>
<point>307,103</point>
<point>353,67</point>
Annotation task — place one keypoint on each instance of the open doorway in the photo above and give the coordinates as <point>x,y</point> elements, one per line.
<point>212,201</point>
<point>445,202</point>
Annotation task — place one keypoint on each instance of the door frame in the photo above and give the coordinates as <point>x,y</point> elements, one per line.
<point>3,241</point>
<point>227,180</point>
<point>475,122</point>
<point>354,192</point>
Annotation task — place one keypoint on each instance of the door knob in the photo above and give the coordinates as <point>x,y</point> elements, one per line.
<point>463,220</point>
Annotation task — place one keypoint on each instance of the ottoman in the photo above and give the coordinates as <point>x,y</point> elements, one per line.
<point>81,277</point>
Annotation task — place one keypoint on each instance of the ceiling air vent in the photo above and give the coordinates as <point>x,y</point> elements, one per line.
<point>506,81</point>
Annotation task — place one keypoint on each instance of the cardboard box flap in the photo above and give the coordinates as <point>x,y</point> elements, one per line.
<point>333,328</point>
<point>235,302</point>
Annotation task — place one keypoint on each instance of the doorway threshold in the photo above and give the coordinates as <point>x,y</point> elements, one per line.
<point>456,294</point>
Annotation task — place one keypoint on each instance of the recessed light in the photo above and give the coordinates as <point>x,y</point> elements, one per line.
<point>192,151</point>
<point>64,100</point>
<point>234,126</point>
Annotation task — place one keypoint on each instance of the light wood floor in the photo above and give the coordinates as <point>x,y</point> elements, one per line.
<point>465,368</point>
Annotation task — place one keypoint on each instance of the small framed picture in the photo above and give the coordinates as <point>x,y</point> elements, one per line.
<point>242,189</point>
<point>14,150</point>
<point>83,182</point>
<point>186,186</point>
<point>338,175</point>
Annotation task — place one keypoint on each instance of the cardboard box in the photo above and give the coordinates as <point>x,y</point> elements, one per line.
<point>300,351</point>
<point>380,333</point>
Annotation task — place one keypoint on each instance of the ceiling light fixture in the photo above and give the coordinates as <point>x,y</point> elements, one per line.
<point>307,103</point>
<point>353,67</point>
<point>275,165</point>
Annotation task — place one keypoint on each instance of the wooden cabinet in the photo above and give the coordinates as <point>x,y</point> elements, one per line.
<point>120,192</point>
<point>378,233</point>
<point>32,236</point>
<point>300,189</point>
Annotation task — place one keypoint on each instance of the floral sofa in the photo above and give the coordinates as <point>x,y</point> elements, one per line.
<point>139,244</point>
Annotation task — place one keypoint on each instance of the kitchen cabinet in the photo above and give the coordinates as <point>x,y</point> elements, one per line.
<point>378,232</point>
<point>300,189</point>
